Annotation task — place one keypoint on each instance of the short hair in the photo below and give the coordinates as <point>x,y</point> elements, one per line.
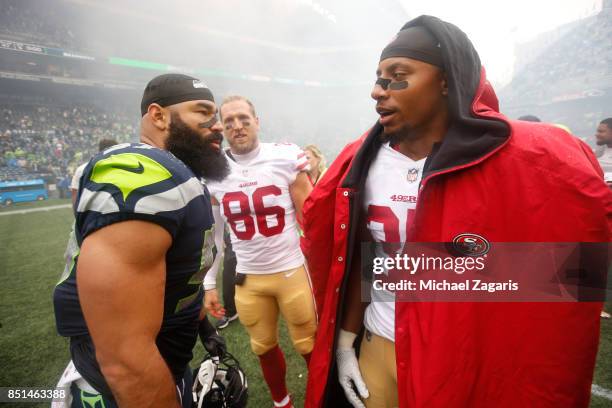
<point>317,153</point>
<point>607,122</point>
<point>106,143</point>
<point>233,98</point>
<point>529,118</point>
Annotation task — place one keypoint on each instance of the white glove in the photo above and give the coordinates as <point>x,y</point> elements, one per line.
<point>348,369</point>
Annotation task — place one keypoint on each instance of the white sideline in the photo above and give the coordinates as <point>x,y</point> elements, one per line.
<point>601,392</point>
<point>31,210</point>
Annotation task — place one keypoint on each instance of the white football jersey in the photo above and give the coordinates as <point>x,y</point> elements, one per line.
<point>391,191</point>
<point>255,202</point>
<point>605,161</point>
<point>76,177</point>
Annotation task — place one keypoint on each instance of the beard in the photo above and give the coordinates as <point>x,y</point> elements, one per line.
<point>397,136</point>
<point>197,152</point>
<point>244,148</point>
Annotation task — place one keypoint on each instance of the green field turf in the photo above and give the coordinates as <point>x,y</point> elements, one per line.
<point>32,354</point>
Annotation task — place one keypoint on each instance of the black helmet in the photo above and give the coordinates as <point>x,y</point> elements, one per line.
<point>219,383</point>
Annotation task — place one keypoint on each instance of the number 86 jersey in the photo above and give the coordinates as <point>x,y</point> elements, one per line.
<point>255,203</point>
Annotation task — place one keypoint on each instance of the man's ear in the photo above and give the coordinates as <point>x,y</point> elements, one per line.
<point>160,117</point>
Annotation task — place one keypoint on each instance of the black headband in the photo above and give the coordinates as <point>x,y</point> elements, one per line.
<point>417,43</point>
<point>170,89</point>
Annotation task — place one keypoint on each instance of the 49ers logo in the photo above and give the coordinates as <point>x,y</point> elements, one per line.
<point>471,244</point>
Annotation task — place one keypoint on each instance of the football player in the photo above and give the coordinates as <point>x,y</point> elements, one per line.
<point>261,201</point>
<point>130,297</point>
<point>440,162</point>
<point>603,137</point>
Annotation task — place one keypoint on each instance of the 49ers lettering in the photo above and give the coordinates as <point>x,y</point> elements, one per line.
<point>242,222</point>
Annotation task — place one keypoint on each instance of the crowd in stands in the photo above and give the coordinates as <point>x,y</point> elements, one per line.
<point>50,141</point>
<point>581,59</point>
<point>41,138</point>
<point>33,21</point>
<point>570,82</point>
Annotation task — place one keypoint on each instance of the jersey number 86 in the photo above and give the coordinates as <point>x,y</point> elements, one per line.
<point>261,213</point>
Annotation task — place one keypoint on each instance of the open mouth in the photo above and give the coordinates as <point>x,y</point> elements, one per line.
<point>216,140</point>
<point>216,144</point>
<point>385,114</point>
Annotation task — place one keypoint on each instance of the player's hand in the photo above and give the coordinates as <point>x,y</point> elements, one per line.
<point>349,375</point>
<point>212,304</point>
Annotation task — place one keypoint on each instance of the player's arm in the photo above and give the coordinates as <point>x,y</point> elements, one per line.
<point>74,187</point>
<point>211,296</point>
<point>73,195</point>
<point>349,374</point>
<point>121,277</point>
<point>300,190</point>
<point>354,310</point>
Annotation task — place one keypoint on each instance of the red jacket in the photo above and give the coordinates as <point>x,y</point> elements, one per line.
<point>536,184</point>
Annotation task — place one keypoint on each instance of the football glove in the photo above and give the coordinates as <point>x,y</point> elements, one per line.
<point>348,370</point>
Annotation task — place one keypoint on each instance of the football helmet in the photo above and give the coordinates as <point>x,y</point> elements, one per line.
<point>219,383</point>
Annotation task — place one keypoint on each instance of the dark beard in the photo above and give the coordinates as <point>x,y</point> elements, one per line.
<point>394,138</point>
<point>196,152</point>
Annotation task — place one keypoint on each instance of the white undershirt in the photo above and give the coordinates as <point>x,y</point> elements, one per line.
<point>392,183</point>
<point>605,161</point>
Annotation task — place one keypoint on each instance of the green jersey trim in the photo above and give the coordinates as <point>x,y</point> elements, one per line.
<point>128,172</point>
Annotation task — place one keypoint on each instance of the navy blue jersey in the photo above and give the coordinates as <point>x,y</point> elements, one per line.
<point>139,182</point>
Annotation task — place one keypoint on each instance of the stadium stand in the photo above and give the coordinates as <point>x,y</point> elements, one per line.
<point>26,20</point>
<point>570,80</point>
<point>301,101</point>
<point>51,140</point>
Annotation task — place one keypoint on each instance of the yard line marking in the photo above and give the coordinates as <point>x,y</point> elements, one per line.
<point>601,392</point>
<point>31,210</point>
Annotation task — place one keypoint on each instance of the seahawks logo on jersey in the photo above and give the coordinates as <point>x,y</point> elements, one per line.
<point>129,172</point>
